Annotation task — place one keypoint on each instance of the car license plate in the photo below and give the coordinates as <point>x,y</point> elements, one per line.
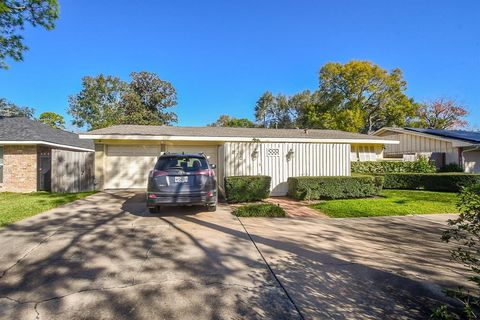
<point>181,179</point>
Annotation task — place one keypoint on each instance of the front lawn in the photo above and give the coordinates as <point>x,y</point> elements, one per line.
<point>259,210</point>
<point>18,206</point>
<point>391,203</point>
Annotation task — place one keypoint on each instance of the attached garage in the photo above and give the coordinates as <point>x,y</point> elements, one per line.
<point>124,155</point>
<point>127,166</point>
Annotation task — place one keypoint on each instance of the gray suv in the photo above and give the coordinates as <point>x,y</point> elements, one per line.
<point>182,179</point>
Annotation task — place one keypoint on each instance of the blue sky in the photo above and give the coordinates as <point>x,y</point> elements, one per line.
<point>222,55</point>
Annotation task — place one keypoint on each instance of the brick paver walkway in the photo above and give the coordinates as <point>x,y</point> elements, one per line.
<point>296,209</point>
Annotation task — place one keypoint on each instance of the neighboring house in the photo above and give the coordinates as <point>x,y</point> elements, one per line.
<point>35,157</point>
<point>443,146</point>
<point>125,154</point>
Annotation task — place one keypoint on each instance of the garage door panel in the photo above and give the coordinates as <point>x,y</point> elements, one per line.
<point>210,151</point>
<point>128,166</point>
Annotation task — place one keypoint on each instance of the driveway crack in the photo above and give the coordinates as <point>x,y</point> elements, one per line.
<point>26,254</point>
<point>271,270</point>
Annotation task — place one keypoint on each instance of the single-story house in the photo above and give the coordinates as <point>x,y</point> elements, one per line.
<point>125,154</point>
<point>36,157</point>
<point>443,146</point>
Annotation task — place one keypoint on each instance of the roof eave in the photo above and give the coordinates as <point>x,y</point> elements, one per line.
<point>231,139</point>
<point>46,143</point>
<point>455,142</point>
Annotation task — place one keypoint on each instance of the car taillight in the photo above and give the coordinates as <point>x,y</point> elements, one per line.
<point>152,196</point>
<point>206,172</point>
<point>159,173</point>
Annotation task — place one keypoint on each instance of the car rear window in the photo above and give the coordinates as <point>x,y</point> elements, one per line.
<point>185,163</point>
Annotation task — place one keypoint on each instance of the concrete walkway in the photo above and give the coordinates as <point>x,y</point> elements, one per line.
<point>105,257</point>
<point>296,209</point>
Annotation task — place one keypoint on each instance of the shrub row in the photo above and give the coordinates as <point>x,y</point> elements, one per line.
<point>315,188</point>
<point>247,188</point>
<point>421,165</point>
<point>451,182</point>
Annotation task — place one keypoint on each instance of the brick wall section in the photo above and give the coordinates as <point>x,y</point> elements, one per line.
<point>19,168</point>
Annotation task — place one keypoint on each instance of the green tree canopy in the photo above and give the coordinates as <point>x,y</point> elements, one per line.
<point>274,111</point>
<point>108,100</point>
<point>361,96</point>
<point>228,121</point>
<point>14,14</point>
<point>9,109</point>
<point>52,119</point>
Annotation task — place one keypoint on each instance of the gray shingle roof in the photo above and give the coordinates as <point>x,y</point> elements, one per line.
<point>225,132</point>
<point>24,129</point>
<point>470,136</point>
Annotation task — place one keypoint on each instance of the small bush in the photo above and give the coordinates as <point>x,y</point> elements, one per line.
<point>451,167</point>
<point>422,165</point>
<point>449,182</point>
<point>463,234</point>
<point>259,210</point>
<point>247,188</point>
<point>315,188</point>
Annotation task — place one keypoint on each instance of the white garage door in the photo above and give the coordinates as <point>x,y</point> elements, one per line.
<point>128,166</point>
<point>210,151</point>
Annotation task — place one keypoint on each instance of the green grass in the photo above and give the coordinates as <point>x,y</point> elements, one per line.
<point>259,210</point>
<point>18,206</point>
<point>391,203</point>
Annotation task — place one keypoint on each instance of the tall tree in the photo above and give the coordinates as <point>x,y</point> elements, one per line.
<point>98,104</point>
<point>228,121</point>
<point>361,96</point>
<point>14,14</point>
<point>9,109</point>
<point>147,99</point>
<point>107,100</point>
<point>52,119</point>
<point>274,112</point>
<point>442,113</point>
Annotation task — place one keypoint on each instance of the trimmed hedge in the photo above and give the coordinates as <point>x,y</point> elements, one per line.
<point>421,165</point>
<point>451,167</point>
<point>315,188</point>
<point>247,188</point>
<point>450,182</point>
<point>259,210</point>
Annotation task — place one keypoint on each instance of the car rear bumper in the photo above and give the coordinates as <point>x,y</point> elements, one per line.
<point>156,199</point>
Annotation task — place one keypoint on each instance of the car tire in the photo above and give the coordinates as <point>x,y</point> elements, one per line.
<point>212,208</point>
<point>153,210</point>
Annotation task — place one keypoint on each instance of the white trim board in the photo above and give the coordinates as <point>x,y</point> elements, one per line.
<point>232,139</point>
<point>44,143</point>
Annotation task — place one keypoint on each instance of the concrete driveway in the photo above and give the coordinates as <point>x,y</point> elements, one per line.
<point>104,257</point>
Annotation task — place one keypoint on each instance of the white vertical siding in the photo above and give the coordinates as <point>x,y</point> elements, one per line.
<point>307,159</point>
<point>411,143</point>
<point>366,152</point>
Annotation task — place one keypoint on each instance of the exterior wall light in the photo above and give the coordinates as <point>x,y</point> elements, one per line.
<point>290,154</point>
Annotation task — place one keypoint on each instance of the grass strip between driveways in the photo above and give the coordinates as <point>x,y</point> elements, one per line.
<point>18,206</point>
<point>259,210</point>
<point>391,203</point>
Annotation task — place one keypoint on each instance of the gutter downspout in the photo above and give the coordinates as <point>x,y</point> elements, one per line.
<point>474,148</point>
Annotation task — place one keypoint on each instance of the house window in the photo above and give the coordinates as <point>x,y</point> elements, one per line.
<point>1,164</point>
<point>271,152</point>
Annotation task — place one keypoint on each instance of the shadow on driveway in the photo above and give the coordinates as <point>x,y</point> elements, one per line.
<point>105,257</point>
